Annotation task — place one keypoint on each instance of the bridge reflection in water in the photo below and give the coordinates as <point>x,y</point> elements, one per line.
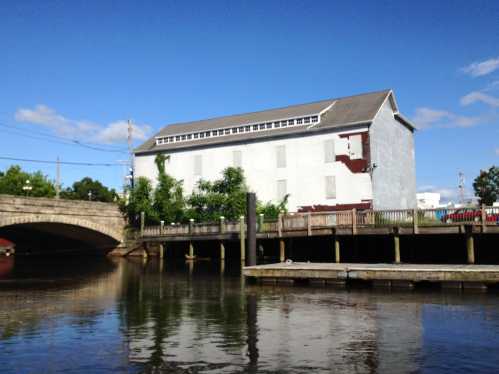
<point>135,316</point>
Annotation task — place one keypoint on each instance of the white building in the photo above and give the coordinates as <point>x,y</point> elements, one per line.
<point>348,152</point>
<point>428,200</point>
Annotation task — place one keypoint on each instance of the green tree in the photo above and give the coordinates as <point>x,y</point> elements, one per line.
<point>270,210</point>
<point>168,196</point>
<point>224,197</point>
<point>81,189</point>
<point>486,185</point>
<point>14,179</point>
<point>140,199</point>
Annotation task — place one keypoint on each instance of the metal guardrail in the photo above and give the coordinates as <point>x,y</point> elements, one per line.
<point>415,218</point>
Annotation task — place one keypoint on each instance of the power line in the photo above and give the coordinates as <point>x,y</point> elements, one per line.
<point>57,139</point>
<point>60,162</point>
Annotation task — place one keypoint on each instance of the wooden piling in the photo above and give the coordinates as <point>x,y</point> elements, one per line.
<point>282,250</point>
<point>337,258</point>
<point>415,221</point>
<point>354,221</point>
<point>470,244</point>
<point>309,224</point>
<point>222,251</point>
<point>191,250</point>
<point>396,245</point>
<point>142,223</point>
<point>261,221</point>
<point>161,250</point>
<point>242,239</point>
<point>251,223</point>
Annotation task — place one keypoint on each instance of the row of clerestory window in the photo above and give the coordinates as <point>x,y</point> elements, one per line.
<point>237,130</point>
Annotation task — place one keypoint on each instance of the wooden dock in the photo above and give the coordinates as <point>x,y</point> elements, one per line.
<point>391,275</point>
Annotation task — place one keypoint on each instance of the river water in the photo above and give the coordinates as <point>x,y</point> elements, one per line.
<point>127,316</point>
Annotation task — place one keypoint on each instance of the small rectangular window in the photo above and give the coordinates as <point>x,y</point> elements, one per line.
<point>214,133</point>
<point>247,128</point>
<point>291,122</point>
<point>315,119</point>
<point>177,138</point>
<point>241,129</point>
<point>237,159</point>
<point>284,123</point>
<point>329,155</point>
<point>184,137</point>
<point>196,135</point>
<point>269,125</point>
<point>330,187</point>
<point>227,131</point>
<point>208,134</point>
<point>171,139</point>
<point>306,120</point>
<point>255,127</point>
<point>262,126</point>
<point>201,135</point>
<point>198,165</point>
<point>281,156</point>
<point>234,130</point>
<point>189,136</point>
<point>299,121</point>
<point>220,132</point>
<point>282,189</point>
<point>277,124</point>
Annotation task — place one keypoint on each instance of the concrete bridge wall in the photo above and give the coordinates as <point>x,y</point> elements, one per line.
<point>103,218</point>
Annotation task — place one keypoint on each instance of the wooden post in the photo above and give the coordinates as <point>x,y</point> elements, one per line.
<point>470,244</point>
<point>222,224</point>
<point>161,227</point>
<point>279,225</point>
<point>354,221</point>
<point>242,239</point>
<point>142,223</point>
<point>191,226</point>
<point>251,222</point>
<point>309,224</point>
<point>222,250</point>
<point>261,220</point>
<point>396,245</point>
<point>415,221</point>
<point>191,250</point>
<point>484,218</point>
<point>337,258</point>
<point>161,250</point>
<point>282,250</point>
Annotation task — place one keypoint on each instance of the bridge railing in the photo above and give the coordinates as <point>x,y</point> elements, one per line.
<point>485,215</point>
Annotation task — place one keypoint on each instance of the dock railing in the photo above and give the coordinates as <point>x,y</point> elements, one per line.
<point>484,216</point>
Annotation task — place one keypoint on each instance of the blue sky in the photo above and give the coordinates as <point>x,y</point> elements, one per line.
<point>80,69</point>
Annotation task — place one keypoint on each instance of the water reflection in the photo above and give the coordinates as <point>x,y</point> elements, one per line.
<point>136,316</point>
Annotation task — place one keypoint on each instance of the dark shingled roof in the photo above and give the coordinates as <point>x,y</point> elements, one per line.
<point>347,111</point>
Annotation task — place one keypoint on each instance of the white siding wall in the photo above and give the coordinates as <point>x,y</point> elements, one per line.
<point>392,150</point>
<point>304,169</point>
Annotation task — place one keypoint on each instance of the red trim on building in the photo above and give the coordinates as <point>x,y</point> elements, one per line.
<point>359,165</point>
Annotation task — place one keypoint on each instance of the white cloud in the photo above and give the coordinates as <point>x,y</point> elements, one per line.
<point>114,132</point>
<point>477,96</point>
<point>425,118</point>
<point>478,69</point>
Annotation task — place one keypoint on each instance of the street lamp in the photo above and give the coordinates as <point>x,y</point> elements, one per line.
<point>27,187</point>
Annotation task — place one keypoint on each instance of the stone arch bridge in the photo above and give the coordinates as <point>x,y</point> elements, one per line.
<point>57,225</point>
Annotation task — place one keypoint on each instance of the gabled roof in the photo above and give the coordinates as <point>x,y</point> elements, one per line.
<point>339,112</point>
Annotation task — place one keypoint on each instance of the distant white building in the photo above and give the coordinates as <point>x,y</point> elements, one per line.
<point>428,200</point>
<point>340,153</point>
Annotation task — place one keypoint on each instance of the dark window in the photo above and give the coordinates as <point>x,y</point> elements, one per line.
<point>196,135</point>
<point>262,126</point>
<point>315,119</point>
<point>306,120</point>
<point>255,127</point>
<point>208,133</point>
<point>189,136</point>
<point>184,137</point>
<point>284,123</point>
<point>171,139</point>
<point>220,132</point>
<point>277,124</point>
<point>214,133</point>
<point>234,130</point>
<point>269,125</point>
<point>247,128</point>
<point>227,131</point>
<point>291,122</point>
<point>299,121</point>
<point>177,138</point>
<point>201,135</point>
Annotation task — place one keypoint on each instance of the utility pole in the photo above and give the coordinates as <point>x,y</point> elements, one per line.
<point>130,151</point>
<point>58,179</point>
